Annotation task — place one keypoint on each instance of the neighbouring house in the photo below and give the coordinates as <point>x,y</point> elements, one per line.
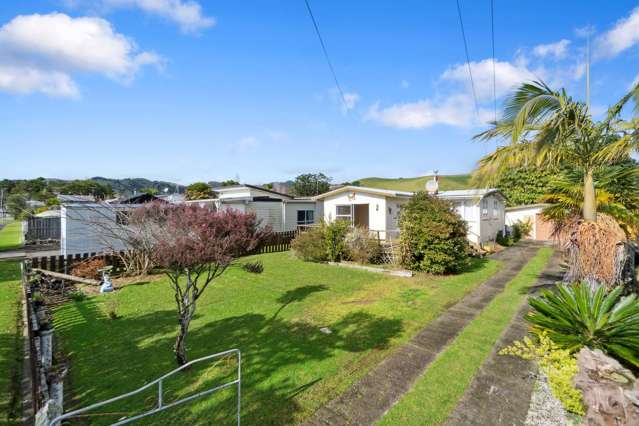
<point>281,212</point>
<point>72,198</point>
<point>379,209</point>
<point>541,229</point>
<point>91,227</point>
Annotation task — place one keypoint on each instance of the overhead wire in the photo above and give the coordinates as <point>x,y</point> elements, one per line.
<point>492,36</point>
<point>470,72</point>
<point>328,59</point>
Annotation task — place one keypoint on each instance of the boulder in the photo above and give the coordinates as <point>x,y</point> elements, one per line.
<point>610,391</point>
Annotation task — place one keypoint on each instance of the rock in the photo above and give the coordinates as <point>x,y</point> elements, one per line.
<point>610,391</point>
<point>326,330</point>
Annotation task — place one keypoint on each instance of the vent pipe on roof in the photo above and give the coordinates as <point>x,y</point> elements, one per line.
<point>432,186</point>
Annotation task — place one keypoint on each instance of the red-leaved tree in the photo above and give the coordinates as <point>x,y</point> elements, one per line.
<point>195,245</point>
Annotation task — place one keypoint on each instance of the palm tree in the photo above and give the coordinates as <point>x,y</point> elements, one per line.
<point>616,194</point>
<point>549,129</point>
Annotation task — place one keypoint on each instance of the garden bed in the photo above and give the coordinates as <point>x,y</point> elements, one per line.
<point>290,366</point>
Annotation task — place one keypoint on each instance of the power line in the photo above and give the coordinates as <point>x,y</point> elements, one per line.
<point>492,36</point>
<point>470,72</point>
<point>328,59</point>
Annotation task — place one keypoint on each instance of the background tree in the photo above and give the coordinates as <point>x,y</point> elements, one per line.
<point>87,187</point>
<point>229,182</point>
<point>198,191</point>
<point>524,185</point>
<point>17,206</point>
<point>149,191</point>
<point>195,245</point>
<point>310,184</point>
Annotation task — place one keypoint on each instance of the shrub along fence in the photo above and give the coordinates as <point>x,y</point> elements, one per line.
<point>277,242</point>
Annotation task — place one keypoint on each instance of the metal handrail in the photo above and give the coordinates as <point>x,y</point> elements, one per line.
<point>161,406</point>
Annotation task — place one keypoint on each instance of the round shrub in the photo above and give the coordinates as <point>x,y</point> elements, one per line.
<point>311,245</point>
<point>335,235</point>
<point>433,236</point>
<point>361,247</point>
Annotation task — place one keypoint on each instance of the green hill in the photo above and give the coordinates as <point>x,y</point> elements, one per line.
<point>446,182</point>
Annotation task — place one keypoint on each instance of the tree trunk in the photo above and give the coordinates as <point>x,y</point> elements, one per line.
<point>590,201</point>
<point>180,341</point>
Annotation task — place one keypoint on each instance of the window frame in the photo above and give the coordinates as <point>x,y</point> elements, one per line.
<point>306,220</point>
<point>344,216</point>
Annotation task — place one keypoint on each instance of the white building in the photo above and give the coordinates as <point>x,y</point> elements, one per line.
<point>90,227</point>
<point>379,209</point>
<point>541,229</point>
<point>281,211</point>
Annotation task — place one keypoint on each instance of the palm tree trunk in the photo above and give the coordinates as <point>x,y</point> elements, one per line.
<point>590,201</point>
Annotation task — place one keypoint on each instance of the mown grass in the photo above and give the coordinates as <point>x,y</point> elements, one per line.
<point>437,392</point>
<point>446,182</point>
<point>10,342</point>
<point>11,236</point>
<point>290,367</point>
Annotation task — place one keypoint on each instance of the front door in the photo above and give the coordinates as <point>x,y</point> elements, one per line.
<point>360,216</point>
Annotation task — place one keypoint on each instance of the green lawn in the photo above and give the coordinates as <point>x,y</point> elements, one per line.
<point>289,366</point>
<point>10,341</point>
<point>437,392</point>
<point>11,236</point>
<point>446,182</point>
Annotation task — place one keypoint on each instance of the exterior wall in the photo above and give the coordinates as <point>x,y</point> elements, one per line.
<point>468,210</point>
<point>269,212</point>
<point>377,211</point>
<point>393,210</point>
<point>494,220</point>
<point>531,214</point>
<point>290,214</point>
<point>82,229</point>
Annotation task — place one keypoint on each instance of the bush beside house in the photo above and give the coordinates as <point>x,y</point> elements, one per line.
<point>433,236</point>
<point>336,241</point>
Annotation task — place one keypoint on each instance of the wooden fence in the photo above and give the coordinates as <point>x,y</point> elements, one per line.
<point>42,229</point>
<point>277,242</point>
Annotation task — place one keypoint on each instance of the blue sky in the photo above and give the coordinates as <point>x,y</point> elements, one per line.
<point>183,90</point>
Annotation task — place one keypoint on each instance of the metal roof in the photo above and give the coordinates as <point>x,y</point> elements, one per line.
<point>376,191</point>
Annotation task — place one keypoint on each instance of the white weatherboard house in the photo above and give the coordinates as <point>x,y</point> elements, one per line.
<point>379,209</point>
<point>88,227</point>
<point>281,211</point>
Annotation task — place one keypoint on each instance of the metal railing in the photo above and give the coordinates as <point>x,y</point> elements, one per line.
<point>161,406</point>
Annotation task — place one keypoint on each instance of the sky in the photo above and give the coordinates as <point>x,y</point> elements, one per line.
<point>186,90</point>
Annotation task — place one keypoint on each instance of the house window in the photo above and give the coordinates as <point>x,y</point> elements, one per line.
<point>344,213</point>
<point>305,217</point>
<point>495,208</point>
<point>484,207</point>
<point>122,217</point>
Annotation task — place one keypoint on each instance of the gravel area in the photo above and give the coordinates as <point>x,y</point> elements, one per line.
<point>545,409</point>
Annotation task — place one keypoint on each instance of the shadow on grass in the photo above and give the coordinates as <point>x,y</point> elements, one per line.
<point>280,359</point>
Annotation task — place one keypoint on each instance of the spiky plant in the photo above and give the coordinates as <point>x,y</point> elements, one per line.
<point>578,315</point>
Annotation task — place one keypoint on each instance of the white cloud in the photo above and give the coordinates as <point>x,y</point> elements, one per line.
<point>246,144</point>
<point>507,76</point>
<point>622,36</point>
<point>49,48</point>
<point>24,80</point>
<point>457,110</point>
<point>349,101</point>
<point>557,50</point>
<point>187,14</point>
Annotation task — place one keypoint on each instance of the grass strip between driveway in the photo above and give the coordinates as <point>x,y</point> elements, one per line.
<point>10,342</point>
<point>11,236</point>
<point>437,392</point>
